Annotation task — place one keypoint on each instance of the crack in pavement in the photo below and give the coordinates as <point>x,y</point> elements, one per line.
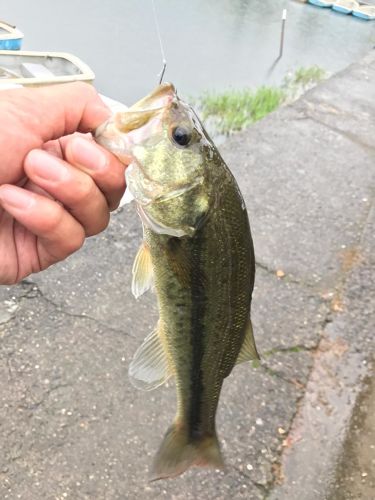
<point>299,399</point>
<point>289,278</point>
<point>293,348</point>
<point>63,310</point>
<point>277,466</point>
<point>279,375</point>
<point>33,405</point>
<point>243,474</point>
<point>351,137</point>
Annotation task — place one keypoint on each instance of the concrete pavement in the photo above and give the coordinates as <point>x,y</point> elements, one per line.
<point>71,425</point>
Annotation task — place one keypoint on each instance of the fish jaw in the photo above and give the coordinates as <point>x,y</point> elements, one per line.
<point>161,95</point>
<point>108,136</point>
<point>127,129</point>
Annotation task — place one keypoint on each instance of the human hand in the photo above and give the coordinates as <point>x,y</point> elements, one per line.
<point>55,188</point>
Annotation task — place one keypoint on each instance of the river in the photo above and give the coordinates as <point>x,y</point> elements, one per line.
<point>209,44</point>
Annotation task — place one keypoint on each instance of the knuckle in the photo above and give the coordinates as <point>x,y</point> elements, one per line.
<point>104,222</point>
<point>100,225</point>
<point>115,201</point>
<point>76,240</point>
<point>8,280</point>
<point>114,205</point>
<point>84,191</point>
<point>54,219</point>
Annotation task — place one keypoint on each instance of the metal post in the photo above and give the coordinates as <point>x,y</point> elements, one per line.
<point>283,21</point>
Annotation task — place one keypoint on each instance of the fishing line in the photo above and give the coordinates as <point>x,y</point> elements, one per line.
<point>160,42</point>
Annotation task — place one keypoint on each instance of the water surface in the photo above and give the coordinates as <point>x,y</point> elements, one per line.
<point>209,44</point>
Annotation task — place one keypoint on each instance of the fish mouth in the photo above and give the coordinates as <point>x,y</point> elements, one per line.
<point>146,109</point>
<point>159,97</point>
<point>113,134</point>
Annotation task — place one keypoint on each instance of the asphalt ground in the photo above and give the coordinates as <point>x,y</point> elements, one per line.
<point>72,426</point>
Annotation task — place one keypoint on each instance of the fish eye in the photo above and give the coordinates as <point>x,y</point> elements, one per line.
<point>181,136</point>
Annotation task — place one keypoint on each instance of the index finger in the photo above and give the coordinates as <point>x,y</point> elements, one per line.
<point>37,115</point>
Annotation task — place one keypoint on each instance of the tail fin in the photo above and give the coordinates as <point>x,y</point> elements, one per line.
<point>177,453</point>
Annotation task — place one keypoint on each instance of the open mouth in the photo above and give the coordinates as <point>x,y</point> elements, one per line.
<point>159,98</point>
<point>126,128</point>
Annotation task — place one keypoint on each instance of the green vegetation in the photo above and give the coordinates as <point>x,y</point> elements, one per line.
<point>307,76</point>
<point>234,110</point>
<point>271,352</point>
<point>255,363</point>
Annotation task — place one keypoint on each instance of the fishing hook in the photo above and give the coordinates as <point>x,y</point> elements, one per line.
<point>163,71</point>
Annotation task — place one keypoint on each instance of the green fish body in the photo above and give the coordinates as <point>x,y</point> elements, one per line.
<point>198,255</point>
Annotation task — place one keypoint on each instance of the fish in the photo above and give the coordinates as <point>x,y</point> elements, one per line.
<point>197,254</point>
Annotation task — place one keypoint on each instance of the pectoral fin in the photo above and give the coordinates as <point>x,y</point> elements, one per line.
<point>142,271</point>
<point>248,350</point>
<point>149,368</point>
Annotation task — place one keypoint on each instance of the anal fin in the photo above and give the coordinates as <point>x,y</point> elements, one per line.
<point>150,368</point>
<point>248,350</point>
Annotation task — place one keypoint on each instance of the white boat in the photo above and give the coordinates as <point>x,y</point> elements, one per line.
<point>345,6</point>
<point>10,37</point>
<point>322,3</point>
<point>365,12</point>
<point>25,68</point>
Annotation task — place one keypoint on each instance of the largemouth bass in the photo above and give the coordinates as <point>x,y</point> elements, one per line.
<point>198,254</point>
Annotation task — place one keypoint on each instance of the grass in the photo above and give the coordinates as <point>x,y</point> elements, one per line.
<point>233,110</point>
<point>307,76</point>
<point>236,109</point>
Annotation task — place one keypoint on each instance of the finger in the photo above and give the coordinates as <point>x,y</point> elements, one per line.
<point>53,148</point>
<point>57,146</point>
<point>58,110</point>
<point>105,169</point>
<point>73,188</point>
<point>59,233</point>
<point>46,113</point>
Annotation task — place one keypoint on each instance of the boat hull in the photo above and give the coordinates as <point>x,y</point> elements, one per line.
<point>10,37</point>
<point>342,10</point>
<point>28,68</point>
<point>362,14</point>
<point>320,3</point>
<point>12,44</point>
